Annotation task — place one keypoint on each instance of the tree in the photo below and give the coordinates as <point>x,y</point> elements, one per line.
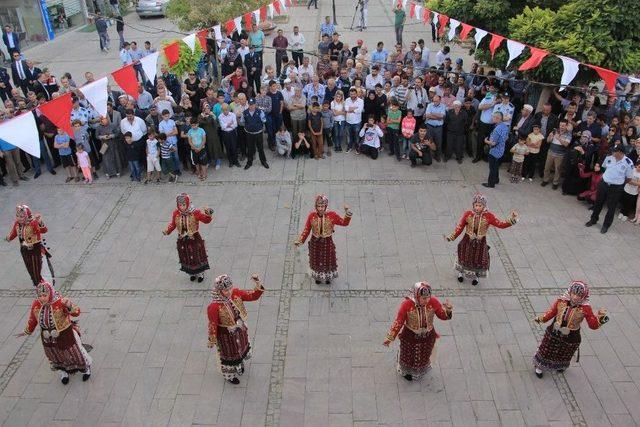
<point>194,14</point>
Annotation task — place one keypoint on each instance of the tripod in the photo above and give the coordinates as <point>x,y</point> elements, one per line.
<point>360,4</point>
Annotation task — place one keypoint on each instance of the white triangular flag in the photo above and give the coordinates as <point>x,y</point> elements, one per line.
<point>570,70</point>
<point>283,6</point>
<point>22,132</point>
<point>436,16</point>
<point>218,33</point>
<point>404,4</point>
<point>418,11</point>
<point>190,41</point>
<point>256,16</point>
<point>515,49</point>
<point>480,34</point>
<point>453,26</point>
<point>271,10</point>
<point>634,79</point>
<point>96,94</point>
<point>150,64</point>
<point>238,22</point>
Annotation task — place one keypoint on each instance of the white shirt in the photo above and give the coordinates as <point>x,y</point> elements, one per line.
<point>10,38</point>
<point>296,42</point>
<point>415,97</point>
<point>630,188</point>
<point>165,104</point>
<point>243,52</point>
<point>371,136</point>
<point>355,117</point>
<point>338,107</point>
<point>138,128</point>
<point>440,57</point>
<point>228,122</point>
<point>370,81</point>
<point>306,70</point>
<point>287,94</point>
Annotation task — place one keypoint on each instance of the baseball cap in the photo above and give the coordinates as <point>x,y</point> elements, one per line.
<point>252,101</point>
<point>618,149</point>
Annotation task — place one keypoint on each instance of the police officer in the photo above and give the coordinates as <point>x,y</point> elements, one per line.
<point>618,171</point>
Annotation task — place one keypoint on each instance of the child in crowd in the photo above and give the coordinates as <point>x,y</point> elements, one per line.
<point>314,122</point>
<point>382,124</point>
<point>393,128</point>
<point>166,162</point>
<point>283,142</point>
<point>408,129</point>
<point>84,163</point>
<point>153,157</point>
<point>629,197</point>
<point>301,147</point>
<point>327,125</point>
<point>132,154</point>
<point>61,143</point>
<point>519,151</point>
<point>595,177</point>
<point>534,141</point>
<point>197,142</point>
<point>370,134</point>
<point>81,137</point>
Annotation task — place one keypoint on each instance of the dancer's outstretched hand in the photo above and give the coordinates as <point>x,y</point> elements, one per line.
<point>386,343</point>
<point>20,335</point>
<point>447,304</point>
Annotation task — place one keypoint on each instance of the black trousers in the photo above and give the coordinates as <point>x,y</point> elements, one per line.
<point>455,144</point>
<point>369,151</point>
<point>254,80</point>
<point>426,158</point>
<point>609,194</point>
<point>628,205</point>
<point>255,140</point>
<point>297,57</point>
<point>494,171</point>
<point>542,157</point>
<point>529,167</point>
<point>242,142</point>
<point>230,140</point>
<point>280,55</point>
<point>484,130</point>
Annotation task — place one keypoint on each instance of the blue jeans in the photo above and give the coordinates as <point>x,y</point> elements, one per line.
<point>134,166</point>
<point>338,135</point>
<point>273,124</point>
<point>44,154</point>
<point>176,162</point>
<point>352,132</point>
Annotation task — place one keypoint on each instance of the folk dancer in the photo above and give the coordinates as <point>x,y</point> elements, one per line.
<point>414,325</point>
<point>59,334</point>
<point>473,251</point>
<point>227,325</point>
<point>322,250</point>
<point>562,337</point>
<point>29,228</point>
<point>191,250</point>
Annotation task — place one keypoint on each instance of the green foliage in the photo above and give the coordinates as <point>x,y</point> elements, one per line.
<point>194,14</point>
<point>188,60</point>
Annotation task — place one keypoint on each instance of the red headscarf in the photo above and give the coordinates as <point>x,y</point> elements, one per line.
<point>23,214</point>
<point>46,288</point>
<point>184,198</point>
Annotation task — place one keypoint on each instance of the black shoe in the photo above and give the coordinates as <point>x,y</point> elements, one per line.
<point>85,377</point>
<point>234,381</point>
<point>237,164</point>
<point>247,166</point>
<point>200,279</point>
<point>265,164</point>
<point>317,282</point>
<point>560,371</point>
<point>37,175</point>
<point>65,380</point>
<point>53,172</point>
<point>437,159</point>
<point>544,184</point>
<point>459,161</point>
<point>192,278</point>
<point>408,377</point>
<point>4,184</point>
<point>485,184</point>
<point>474,282</point>
<point>604,229</point>
<point>476,160</point>
<point>590,223</point>
<point>328,282</point>
<point>460,279</point>
<point>413,165</point>
<point>539,374</point>
<point>554,186</point>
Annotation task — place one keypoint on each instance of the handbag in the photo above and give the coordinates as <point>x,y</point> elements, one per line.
<point>104,148</point>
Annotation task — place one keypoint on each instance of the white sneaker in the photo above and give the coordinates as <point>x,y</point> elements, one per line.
<point>619,216</point>
<point>522,179</point>
<point>623,217</point>
<point>530,179</point>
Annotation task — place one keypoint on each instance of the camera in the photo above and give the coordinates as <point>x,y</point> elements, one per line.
<point>421,105</point>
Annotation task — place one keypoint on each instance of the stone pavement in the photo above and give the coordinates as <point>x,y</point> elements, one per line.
<point>318,356</point>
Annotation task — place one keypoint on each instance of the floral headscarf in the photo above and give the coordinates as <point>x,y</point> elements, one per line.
<point>23,214</point>
<point>46,288</point>
<point>579,288</point>
<point>419,289</point>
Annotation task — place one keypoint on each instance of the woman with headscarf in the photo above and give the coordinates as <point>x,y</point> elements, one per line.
<point>232,61</point>
<point>227,325</point>
<point>562,337</point>
<point>414,326</point>
<point>59,334</point>
<point>473,251</point>
<point>29,228</point>
<point>371,107</point>
<point>322,251</point>
<point>583,153</point>
<point>191,250</point>
<point>209,123</point>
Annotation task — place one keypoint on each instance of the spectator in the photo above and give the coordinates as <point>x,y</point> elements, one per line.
<point>422,146</point>
<point>297,46</point>
<point>314,123</point>
<point>257,39</point>
<point>107,133</point>
<point>103,35</point>
<point>327,124</point>
<point>301,147</point>
<point>198,144</point>
<point>168,155</point>
<point>519,151</point>
<point>229,125</point>
<point>338,109</point>
<point>120,29</point>
<point>84,163</point>
<point>283,142</point>
<point>434,116</point>
<point>354,107</point>
<point>399,19</point>
<point>443,54</point>
<point>456,120</point>
<point>280,43</point>
<point>327,28</point>
<point>132,149</point>
<point>62,143</point>
<point>370,134</point>
<point>380,55</point>
<point>559,142</point>
<point>254,120</point>
<point>11,40</point>
<point>497,141</point>
<point>534,142</point>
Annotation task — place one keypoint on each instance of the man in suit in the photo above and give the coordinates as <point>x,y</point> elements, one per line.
<point>19,72</point>
<point>5,84</point>
<point>10,39</point>
<point>40,87</point>
<point>253,64</point>
<point>32,73</point>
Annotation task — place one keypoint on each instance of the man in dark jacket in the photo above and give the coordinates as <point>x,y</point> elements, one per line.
<point>5,84</point>
<point>548,122</point>
<point>101,28</point>
<point>19,72</point>
<point>10,39</point>
<point>253,64</point>
<point>456,121</point>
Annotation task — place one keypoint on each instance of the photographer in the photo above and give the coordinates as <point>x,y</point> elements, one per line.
<point>422,146</point>
<point>417,99</point>
<point>371,135</point>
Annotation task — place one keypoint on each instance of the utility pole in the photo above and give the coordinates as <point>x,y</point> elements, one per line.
<point>333,5</point>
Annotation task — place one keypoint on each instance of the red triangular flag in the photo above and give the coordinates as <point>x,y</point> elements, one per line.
<point>58,111</point>
<point>263,13</point>
<point>288,3</point>
<point>202,38</point>
<point>495,43</point>
<point>426,16</point>
<point>412,10</point>
<point>126,78</point>
<point>608,76</point>
<point>172,52</point>
<point>537,55</point>
<point>276,6</point>
<point>466,29</point>
<point>248,20</point>
<point>230,26</point>
<point>442,20</point>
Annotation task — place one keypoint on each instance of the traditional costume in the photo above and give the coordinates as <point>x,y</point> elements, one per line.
<point>562,337</point>
<point>191,249</point>
<point>414,325</point>
<point>29,228</point>
<point>59,334</point>
<point>322,250</point>
<point>473,251</point>
<point>227,325</point>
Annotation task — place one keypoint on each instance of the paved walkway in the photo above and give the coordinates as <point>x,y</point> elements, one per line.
<point>318,358</point>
